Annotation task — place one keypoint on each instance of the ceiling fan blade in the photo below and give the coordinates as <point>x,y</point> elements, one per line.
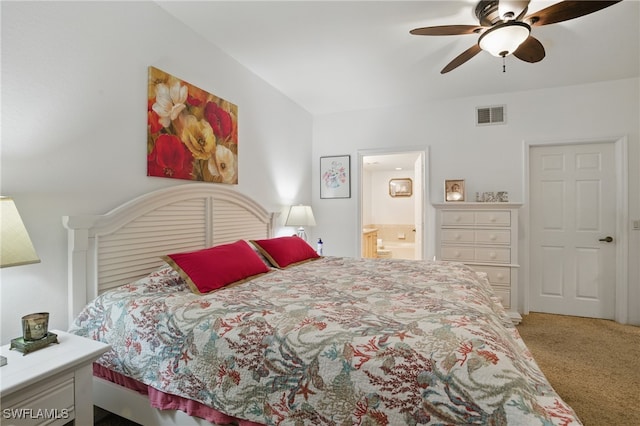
<point>448,30</point>
<point>566,10</point>
<point>531,50</point>
<point>462,58</point>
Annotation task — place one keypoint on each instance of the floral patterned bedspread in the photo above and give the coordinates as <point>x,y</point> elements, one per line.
<point>339,341</point>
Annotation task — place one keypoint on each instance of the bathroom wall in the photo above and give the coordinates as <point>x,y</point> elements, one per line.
<point>385,209</point>
<point>393,217</point>
<point>394,233</point>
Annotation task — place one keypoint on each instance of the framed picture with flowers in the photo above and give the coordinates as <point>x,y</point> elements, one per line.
<point>191,133</point>
<point>335,176</point>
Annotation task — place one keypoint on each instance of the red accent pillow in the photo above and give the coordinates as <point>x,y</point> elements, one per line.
<point>216,267</point>
<point>285,251</point>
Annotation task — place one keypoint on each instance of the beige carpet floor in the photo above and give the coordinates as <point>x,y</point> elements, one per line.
<point>593,364</point>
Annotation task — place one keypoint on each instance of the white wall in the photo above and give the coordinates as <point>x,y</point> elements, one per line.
<point>74,95</point>
<point>366,197</point>
<point>386,209</point>
<point>489,158</point>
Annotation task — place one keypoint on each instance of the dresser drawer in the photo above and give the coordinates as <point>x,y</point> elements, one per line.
<point>458,254</point>
<point>481,218</point>
<point>500,280</point>
<point>458,236</point>
<point>496,274</point>
<point>475,254</point>
<point>493,218</point>
<point>493,236</point>
<point>504,295</point>
<point>493,255</point>
<point>457,217</point>
<point>470,236</point>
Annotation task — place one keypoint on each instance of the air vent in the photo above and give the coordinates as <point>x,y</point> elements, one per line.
<point>490,115</point>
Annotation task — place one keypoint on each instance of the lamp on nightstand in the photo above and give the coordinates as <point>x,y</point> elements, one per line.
<point>300,216</point>
<point>15,245</point>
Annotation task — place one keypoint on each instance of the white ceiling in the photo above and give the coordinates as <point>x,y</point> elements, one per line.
<point>404,161</point>
<point>331,56</point>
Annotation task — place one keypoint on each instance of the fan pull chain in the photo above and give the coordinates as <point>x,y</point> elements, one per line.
<point>504,66</point>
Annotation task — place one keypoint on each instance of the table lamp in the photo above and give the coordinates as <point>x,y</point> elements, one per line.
<point>300,216</point>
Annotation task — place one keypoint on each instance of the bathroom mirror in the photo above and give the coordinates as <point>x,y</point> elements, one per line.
<point>401,187</point>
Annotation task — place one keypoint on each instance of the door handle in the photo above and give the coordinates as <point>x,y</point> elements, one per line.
<point>606,239</point>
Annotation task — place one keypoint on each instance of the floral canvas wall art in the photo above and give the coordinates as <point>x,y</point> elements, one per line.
<point>192,134</point>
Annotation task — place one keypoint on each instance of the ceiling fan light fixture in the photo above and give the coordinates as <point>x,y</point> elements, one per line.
<point>503,39</point>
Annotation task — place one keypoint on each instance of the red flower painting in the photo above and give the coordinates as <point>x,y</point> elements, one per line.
<point>191,134</point>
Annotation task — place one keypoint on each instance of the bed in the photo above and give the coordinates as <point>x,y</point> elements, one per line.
<point>320,340</point>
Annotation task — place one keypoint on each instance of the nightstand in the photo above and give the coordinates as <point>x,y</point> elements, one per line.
<point>52,385</point>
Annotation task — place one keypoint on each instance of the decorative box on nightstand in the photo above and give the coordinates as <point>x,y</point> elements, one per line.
<point>52,385</point>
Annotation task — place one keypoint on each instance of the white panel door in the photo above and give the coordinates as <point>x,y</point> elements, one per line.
<point>573,200</point>
<point>417,206</point>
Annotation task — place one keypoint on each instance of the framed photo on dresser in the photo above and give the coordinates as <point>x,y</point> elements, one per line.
<point>454,190</point>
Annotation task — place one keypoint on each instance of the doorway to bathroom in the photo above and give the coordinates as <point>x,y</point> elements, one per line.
<point>391,206</point>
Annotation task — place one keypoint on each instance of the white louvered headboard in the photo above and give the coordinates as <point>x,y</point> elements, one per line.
<point>126,243</point>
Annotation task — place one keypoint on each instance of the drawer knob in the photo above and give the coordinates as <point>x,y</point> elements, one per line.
<point>456,254</point>
<point>500,275</point>
<point>492,255</point>
<point>457,236</point>
<point>492,218</point>
<point>492,237</point>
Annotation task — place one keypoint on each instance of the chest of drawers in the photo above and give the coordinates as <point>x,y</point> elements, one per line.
<point>483,236</point>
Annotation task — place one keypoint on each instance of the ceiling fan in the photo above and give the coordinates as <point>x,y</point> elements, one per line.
<point>505,28</point>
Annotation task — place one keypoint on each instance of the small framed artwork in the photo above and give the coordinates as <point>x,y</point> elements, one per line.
<point>454,190</point>
<point>335,176</point>
<point>401,187</point>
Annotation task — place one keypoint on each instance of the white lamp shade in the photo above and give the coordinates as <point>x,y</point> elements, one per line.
<point>504,39</point>
<point>15,245</point>
<point>300,216</point>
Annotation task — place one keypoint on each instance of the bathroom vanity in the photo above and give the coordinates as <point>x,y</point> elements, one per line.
<point>369,242</point>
